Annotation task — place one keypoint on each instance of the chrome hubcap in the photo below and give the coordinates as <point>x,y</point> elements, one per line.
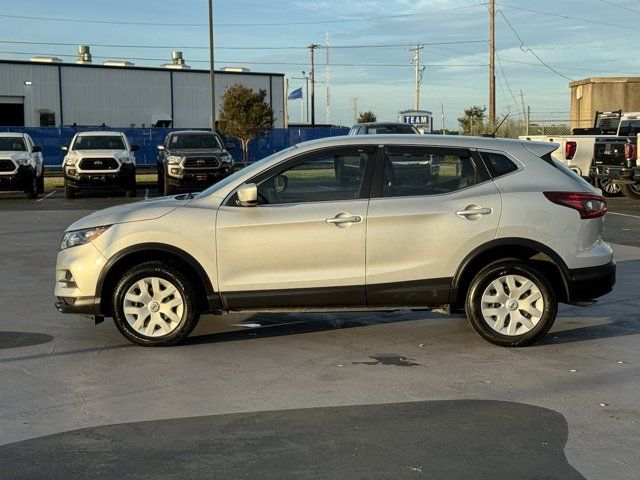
<point>153,307</point>
<point>512,305</point>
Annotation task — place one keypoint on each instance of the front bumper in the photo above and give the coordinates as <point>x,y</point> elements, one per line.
<point>191,178</point>
<point>77,272</point>
<point>120,179</point>
<point>20,180</point>
<point>585,284</point>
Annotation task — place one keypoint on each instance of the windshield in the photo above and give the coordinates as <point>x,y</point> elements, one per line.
<point>12,144</point>
<point>231,178</point>
<point>99,142</point>
<point>629,127</point>
<point>393,129</point>
<point>195,140</point>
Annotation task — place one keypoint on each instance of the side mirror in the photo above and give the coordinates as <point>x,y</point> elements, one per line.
<point>36,149</point>
<point>280,183</point>
<point>160,147</point>
<point>229,145</point>
<point>64,148</point>
<point>248,195</point>
<point>135,148</point>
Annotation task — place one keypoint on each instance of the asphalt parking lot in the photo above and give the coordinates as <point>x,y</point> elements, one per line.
<point>358,395</point>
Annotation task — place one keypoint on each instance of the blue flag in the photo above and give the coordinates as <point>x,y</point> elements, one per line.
<point>296,94</point>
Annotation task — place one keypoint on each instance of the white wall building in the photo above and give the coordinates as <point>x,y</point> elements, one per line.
<point>48,92</point>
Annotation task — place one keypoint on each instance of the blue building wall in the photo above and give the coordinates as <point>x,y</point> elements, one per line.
<point>52,138</point>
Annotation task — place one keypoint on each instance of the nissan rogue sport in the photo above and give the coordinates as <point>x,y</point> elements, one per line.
<point>496,228</point>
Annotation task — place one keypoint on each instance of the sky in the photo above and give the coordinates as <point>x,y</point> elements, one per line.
<point>271,36</point>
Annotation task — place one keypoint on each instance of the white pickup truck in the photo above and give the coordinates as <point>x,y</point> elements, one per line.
<point>577,150</point>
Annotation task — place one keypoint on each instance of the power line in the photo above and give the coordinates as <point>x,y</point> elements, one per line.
<point>506,81</point>
<point>526,49</point>
<point>620,6</point>
<point>266,24</point>
<point>568,17</point>
<point>440,65</point>
<point>200,47</point>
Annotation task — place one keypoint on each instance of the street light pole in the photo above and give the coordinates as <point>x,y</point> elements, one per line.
<point>212,76</point>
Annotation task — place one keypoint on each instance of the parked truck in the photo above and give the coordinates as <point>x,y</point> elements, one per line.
<point>577,150</point>
<point>615,159</point>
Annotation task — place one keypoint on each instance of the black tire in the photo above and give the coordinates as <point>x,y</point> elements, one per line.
<point>160,181</point>
<point>31,192</point>
<point>69,192</point>
<point>190,314</point>
<point>482,282</point>
<point>631,190</point>
<point>168,189</point>
<point>609,189</point>
<point>41,182</point>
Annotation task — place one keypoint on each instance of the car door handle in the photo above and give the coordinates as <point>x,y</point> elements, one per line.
<point>344,218</point>
<point>473,211</point>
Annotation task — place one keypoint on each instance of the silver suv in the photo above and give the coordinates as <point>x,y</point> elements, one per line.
<point>496,228</point>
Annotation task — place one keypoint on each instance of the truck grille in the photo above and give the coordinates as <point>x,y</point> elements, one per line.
<point>7,166</point>
<point>198,162</point>
<point>99,164</point>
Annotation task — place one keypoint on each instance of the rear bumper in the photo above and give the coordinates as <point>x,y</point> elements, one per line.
<point>636,174</point>
<point>20,180</point>
<point>79,305</point>
<point>612,172</point>
<point>589,283</point>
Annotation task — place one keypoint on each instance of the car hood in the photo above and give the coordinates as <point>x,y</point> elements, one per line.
<point>132,212</point>
<point>13,155</point>
<point>98,153</point>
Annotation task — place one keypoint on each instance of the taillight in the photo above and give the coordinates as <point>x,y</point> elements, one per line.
<point>587,204</point>
<point>630,150</point>
<point>570,150</point>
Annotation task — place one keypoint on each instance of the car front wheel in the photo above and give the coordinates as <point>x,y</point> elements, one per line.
<point>631,190</point>
<point>511,304</point>
<point>154,304</point>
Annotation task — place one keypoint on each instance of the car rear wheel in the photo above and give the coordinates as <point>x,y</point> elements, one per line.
<point>154,304</point>
<point>511,304</point>
<point>609,188</point>
<point>32,190</point>
<point>631,190</point>
<point>41,182</point>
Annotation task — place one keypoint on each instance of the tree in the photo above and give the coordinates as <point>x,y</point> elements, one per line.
<point>473,121</point>
<point>366,117</point>
<point>245,115</point>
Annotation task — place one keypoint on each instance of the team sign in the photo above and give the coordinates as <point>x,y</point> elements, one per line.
<point>417,119</point>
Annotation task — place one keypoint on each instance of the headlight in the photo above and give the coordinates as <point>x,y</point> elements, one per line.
<point>227,159</point>
<point>22,161</point>
<point>80,237</point>
<point>173,160</point>
<point>70,161</point>
<point>125,159</point>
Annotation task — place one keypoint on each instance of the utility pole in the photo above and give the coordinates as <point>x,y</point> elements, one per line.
<point>312,76</point>
<point>212,75</point>
<point>327,78</point>
<point>286,103</point>
<point>442,110</point>
<point>419,72</point>
<point>492,59</point>
<point>524,113</point>
<point>354,103</point>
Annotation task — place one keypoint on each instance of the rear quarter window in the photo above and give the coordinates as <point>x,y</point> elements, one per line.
<point>498,164</point>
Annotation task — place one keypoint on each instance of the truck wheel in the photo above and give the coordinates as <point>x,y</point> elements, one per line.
<point>155,305</point>
<point>41,182</point>
<point>631,190</point>
<point>32,190</point>
<point>168,189</point>
<point>160,182</point>
<point>511,304</point>
<point>609,188</point>
<point>69,192</point>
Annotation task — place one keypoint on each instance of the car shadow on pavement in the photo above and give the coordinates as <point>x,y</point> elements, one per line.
<point>470,439</point>
<point>582,333</point>
<point>22,339</point>
<point>265,325</point>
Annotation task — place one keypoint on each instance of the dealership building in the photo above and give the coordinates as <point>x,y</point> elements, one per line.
<point>44,91</point>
